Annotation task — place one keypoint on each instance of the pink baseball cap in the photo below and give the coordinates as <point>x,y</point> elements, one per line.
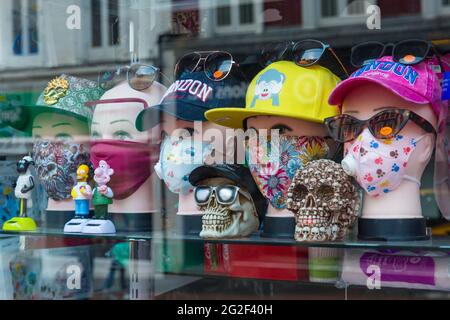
<point>417,83</point>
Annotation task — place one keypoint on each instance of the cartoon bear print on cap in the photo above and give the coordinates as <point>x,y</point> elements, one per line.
<point>268,87</point>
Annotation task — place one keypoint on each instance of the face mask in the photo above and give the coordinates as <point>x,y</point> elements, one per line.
<point>178,159</point>
<point>274,166</point>
<point>56,165</point>
<point>379,166</point>
<point>131,162</point>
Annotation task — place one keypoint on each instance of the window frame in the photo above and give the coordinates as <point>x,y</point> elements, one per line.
<point>444,9</point>
<point>340,18</point>
<point>236,26</point>
<point>26,59</point>
<point>25,26</point>
<point>106,51</point>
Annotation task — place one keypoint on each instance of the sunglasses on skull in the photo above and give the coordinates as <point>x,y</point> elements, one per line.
<point>305,53</point>
<point>139,76</point>
<point>225,195</point>
<point>217,65</point>
<point>383,126</point>
<point>407,52</point>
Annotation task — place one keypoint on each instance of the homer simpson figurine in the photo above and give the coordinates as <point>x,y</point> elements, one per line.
<point>23,188</point>
<point>81,194</point>
<point>102,198</point>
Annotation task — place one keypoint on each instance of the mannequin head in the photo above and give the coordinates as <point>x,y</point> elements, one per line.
<point>52,126</point>
<point>59,178</point>
<point>116,121</point>
<point>294,100</point>
<point>206,132</point>
<point>288,127</point>
<point>369,99</point>
<point>390,170</point>
<point>114,135</point>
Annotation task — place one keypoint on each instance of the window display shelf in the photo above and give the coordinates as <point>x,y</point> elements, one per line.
<point>441,243</point>
<point>45,232</point>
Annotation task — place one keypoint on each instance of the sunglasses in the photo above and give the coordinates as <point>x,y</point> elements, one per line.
<point>384,125</point>
<point>217,65</point>
<point>305,54</point>
<point>407,52</point>
<point>139,76</point>
<point>225,195</point>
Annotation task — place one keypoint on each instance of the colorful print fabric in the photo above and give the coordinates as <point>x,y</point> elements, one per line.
<point>274,165</point>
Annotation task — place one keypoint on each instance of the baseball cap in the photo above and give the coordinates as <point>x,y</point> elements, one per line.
<point>284,89</point>
<point>193,94</point>
<point>417,83</point>
<point>64,95</point>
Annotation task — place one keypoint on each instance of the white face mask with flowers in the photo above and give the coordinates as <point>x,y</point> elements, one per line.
<point>273,164</point>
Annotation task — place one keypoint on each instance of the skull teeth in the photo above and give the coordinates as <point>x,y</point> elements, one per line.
<point>216,222</point>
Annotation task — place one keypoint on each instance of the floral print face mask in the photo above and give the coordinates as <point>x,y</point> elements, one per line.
<point>379,165</point>
<point>273,164</point>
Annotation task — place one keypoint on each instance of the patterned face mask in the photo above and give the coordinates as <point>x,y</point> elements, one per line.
<point>56,165</point>
<point>273,164</point>
<point>178,159</point>
<point>379,165</point>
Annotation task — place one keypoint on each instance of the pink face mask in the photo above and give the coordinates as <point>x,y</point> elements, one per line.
<point>379,166</point>
<point>132,163</point>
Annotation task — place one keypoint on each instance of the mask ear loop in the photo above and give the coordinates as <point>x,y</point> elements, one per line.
<point>410,178</point>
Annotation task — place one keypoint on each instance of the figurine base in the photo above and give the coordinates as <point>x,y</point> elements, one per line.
<point>99,227</point>
<point>58,219</point>
<point>392,230</point>
<point>279,228</point>
<point>75,225</point>
<point>20,224</point>
<point>191,224</point>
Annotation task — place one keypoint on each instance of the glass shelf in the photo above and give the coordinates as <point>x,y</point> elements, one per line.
<point>41,232</point>
<point>440,243</point>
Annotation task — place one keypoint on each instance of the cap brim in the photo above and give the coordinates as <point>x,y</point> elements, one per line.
<point>207,172</point>
<point>150,117</point>
<point>339,94</point>
<point>234,117</point>
<point>28,113</point>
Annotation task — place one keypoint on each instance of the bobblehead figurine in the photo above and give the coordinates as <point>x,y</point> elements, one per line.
<point>81,194</point>
<point>23,188</point>
<point>102,198</point>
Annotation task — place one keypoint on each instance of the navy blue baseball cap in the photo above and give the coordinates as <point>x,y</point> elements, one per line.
<point>191,96</point>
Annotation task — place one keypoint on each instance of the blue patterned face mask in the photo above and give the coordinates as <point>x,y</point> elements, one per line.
<point>273,164</point>
<point>178,158</point>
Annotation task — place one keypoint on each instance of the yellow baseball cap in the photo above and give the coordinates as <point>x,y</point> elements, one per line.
<point>284,89</point>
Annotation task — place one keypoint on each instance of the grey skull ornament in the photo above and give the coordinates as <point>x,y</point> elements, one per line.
<point>324,200</point>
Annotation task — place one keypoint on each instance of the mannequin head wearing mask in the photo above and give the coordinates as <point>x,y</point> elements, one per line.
<point>131,153</point>
<point>293,101</point>
<point>389,125</point>
<point>188,140</point>
<point>61,145</point>
<point>59,124</point>
<point>364,103</point>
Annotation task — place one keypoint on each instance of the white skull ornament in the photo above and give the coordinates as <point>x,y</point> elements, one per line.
<point>221,221</point>
<point>324,200</point>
